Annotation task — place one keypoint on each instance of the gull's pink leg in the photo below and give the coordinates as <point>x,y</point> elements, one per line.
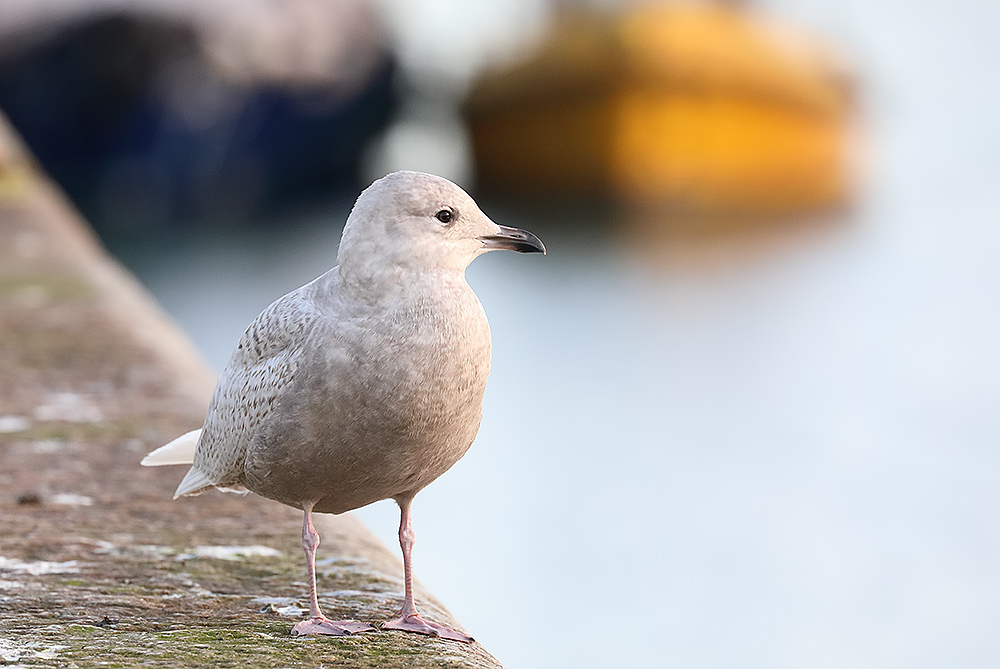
<point>317,622</point>
<point>409,620</point>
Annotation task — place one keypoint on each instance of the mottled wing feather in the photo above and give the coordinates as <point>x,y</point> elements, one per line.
<point>251,385</point>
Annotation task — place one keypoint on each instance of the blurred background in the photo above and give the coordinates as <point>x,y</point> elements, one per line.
<point>744,412</point>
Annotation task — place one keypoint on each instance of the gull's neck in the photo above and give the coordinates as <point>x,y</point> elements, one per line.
<point>391,286</point>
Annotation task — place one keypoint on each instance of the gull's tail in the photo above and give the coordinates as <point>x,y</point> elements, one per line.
<point>180,451</point>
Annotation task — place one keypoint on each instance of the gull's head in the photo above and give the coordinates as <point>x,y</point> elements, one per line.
<point>420,222</point>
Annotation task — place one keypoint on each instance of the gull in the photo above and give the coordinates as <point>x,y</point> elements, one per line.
<point>366,383</point>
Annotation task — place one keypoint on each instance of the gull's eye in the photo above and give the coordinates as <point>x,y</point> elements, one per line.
<point>445,216</point>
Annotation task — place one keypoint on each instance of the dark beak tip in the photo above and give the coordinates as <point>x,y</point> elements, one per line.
<point>514,239</point>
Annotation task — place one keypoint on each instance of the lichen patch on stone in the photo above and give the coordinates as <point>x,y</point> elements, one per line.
<point>38,567</point>
<point>229,552</point>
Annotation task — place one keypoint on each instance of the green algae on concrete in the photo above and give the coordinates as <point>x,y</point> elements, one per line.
<point>88,645</point>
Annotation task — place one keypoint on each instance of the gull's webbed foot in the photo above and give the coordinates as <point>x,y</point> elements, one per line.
<point>414,623</point>
<point>330,627</point>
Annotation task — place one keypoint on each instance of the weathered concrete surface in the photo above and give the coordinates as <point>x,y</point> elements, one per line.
<point>97,566</point>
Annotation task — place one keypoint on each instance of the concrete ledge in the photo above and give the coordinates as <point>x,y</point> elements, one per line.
<point>97,566</point>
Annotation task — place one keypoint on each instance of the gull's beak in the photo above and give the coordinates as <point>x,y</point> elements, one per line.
<point>513,239</point>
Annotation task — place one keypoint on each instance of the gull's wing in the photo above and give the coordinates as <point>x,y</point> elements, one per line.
<point>259,370</point>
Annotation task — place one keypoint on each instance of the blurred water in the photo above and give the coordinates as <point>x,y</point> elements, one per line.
<point>786,461</point>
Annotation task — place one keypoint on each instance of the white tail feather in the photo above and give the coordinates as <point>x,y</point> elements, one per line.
<point>180,451</point>
<point>195,482</point>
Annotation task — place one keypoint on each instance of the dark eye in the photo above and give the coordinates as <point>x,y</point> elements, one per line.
<point>445,216</point>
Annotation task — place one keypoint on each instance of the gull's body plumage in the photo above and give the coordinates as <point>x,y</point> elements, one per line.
<point>366,383</point>
<point>296,412</point>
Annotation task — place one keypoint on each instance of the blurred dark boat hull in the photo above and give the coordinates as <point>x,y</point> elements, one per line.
<point>124,112</point>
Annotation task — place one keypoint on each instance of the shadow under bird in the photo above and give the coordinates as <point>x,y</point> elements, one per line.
<point>365,384</point>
